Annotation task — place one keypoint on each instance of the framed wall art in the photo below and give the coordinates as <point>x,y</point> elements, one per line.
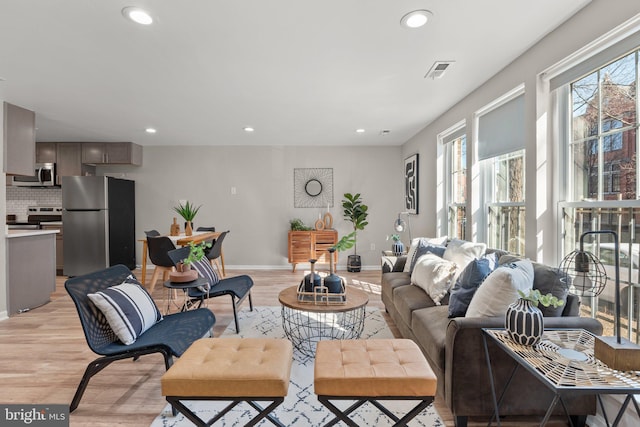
<point>312,187</point>
<point>411,184</point>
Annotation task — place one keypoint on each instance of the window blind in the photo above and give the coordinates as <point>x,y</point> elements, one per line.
<point>596,61</point>
<point>454,135</point>
<point>501,130</point>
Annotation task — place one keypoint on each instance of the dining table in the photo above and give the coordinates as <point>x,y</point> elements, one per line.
<point>182,240</point>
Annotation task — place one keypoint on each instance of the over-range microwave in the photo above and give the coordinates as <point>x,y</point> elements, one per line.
<point>44,176</point>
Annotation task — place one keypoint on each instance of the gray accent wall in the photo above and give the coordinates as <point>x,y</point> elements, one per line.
<point>258,214</point>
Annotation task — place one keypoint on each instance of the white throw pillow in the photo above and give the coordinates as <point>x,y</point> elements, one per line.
<point>128,308</point>
<point>434,275</point>
<point>500,289</point>
<point>462,253</point>
<point>414,244</point>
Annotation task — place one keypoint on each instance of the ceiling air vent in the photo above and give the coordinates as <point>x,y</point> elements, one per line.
<point>437,69</point>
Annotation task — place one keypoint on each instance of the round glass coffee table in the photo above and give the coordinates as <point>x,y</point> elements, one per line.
<point>306,323</point>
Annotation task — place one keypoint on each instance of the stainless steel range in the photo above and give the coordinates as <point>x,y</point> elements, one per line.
<point>36,216</point>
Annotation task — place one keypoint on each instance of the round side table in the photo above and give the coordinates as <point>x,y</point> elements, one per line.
<point>184,286</point>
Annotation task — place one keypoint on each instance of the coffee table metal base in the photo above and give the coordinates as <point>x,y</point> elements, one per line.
<point>305,328</point>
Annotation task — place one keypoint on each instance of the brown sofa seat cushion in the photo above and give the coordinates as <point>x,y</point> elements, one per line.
<point>372,368</point>
<point>393,280</point>
<point>410,298</point>
<point>430,329</point>
<point>231,367</point>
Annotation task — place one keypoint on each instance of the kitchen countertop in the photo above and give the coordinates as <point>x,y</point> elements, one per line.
<point>28,233</point>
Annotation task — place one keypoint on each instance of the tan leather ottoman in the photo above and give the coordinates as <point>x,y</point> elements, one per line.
<point>372,370</point>
<point>231,369</point>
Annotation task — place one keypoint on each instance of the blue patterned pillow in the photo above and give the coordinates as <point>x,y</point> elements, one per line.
<point>128,308</point>
<point>206,271</point>
<point>468,283</point>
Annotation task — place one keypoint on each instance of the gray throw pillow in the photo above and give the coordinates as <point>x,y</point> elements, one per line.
<point>546,279</point>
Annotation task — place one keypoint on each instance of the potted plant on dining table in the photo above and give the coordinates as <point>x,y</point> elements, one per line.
<point>187,211</point>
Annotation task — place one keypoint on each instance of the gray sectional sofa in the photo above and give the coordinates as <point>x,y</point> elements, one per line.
<point>454,349</point>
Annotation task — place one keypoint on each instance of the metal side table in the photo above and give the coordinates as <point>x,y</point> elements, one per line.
<point>564,362</point>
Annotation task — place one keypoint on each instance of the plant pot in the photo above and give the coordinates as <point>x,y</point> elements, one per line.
<point>183,274</point>
<point>188,229</point>
<point>354,264</point>
<point>397,248</point>
<point>524,322</point>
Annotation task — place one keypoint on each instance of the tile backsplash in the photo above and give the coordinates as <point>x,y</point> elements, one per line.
<point>19,198</point>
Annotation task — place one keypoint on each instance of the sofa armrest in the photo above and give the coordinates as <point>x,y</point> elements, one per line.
<point>393,264</point>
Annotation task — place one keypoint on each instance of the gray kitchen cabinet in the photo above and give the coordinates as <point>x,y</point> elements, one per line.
<point>19,140</point>
<point>31,269</point>
<point>111,153</point>
<point>46,152</point>
<point>59,247</point>
<point>69,159</point>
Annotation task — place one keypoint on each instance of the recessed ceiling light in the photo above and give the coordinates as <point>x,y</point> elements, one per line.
<point>359,130</point>
<point>416,19</point>
<point>137,15</point>
<point>150,130</point>
<point>248,129</point>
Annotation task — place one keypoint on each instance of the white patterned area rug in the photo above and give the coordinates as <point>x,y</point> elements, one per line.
<point>301,406</point>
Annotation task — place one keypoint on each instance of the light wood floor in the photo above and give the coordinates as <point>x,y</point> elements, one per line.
<point>44,356</point>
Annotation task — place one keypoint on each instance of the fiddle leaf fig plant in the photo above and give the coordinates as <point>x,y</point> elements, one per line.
<point>356,213</point>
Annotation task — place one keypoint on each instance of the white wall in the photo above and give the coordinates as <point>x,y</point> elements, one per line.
<point>599,17</point>
<point>258,215</point>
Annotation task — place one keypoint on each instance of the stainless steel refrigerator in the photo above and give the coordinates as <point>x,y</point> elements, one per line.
<point>98,216</point>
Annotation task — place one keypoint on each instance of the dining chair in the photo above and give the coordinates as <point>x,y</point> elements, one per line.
<point>152,233</point>
<point>215,253</point>
<point>158,247</point>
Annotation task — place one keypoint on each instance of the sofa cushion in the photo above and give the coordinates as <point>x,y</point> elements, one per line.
<point>424,248</point>
<point>468,282</point>
<point>500,289</point>
<point>410,298</point>
<point>436,241</point>
<point>433,274</point>
<point>429,325</point>
<point>390,281</point>
<point>547,280</point>
<point>462,253</point>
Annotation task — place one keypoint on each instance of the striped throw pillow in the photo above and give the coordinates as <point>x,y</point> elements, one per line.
<point>129,309</point>
<point>206,271</point>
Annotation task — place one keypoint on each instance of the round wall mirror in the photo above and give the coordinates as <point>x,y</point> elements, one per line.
<point>313,187</point>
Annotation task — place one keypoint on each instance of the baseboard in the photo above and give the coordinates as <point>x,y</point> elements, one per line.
<point>3,315</point>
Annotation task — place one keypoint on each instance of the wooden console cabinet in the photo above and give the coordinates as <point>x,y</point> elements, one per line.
<point>306,245</point>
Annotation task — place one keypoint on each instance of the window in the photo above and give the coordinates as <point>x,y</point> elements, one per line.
<point>456,154</point>
<point>604,132</point>
<point>506,210</point>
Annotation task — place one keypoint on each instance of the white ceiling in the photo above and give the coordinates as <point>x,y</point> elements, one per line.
<point>298,71</point>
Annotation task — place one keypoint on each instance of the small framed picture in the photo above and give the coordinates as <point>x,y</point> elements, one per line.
<point>411,184</point>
